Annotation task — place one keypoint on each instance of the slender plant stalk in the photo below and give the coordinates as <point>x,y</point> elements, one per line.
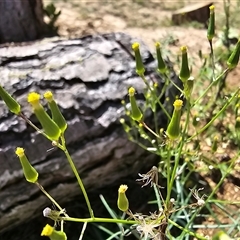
<point>229,169</point>
<point>153,94</point>
<point>176,163</point>
<point>95,219</point>
<point>187,231</point>
<point>150,130</point>
<point>210,86</point>
<point>69,158</point>
<point>169,189</point>
<point>216,116</point>
<point>32,125</point>
<point>49,196</point>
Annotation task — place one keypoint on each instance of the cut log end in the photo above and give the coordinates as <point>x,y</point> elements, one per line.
<point>197,12</point>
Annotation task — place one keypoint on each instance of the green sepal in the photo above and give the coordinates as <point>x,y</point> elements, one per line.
<point>188,87</point>
<point>11,103</point>
<point>233,60</point>
<point>50,128</point>
<point>140,69</point>
<point>211,25</point>
<point>184,71</point>
<point>58,235</point>
<point>57,116</point>
<point>161,64</point>
<point>122,201</point>
<point>174,129</point>
<point>29,171</point>
<point>136,114</point>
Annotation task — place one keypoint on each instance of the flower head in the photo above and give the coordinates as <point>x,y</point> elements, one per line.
<point>149,226</point>
<point>50,127</point>
<point>173,129</point>
<point>139,64</point>
<point>48,95</point>
<point>29,171</point>
<point>47,230</point>
<point>122,201</point>
<point>184,71</point>
<point>33,99</point>
<point>57,116</point>
<point>150,177</point>
<point>136,114</point>
<point>53,234</point>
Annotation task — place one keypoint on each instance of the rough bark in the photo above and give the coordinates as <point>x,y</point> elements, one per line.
<point>21,20</point>
<point>89,77</point>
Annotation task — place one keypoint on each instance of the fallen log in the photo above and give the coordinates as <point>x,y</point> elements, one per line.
<point>89,77</point>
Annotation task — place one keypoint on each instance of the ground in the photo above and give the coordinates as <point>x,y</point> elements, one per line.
<point>149,20</point>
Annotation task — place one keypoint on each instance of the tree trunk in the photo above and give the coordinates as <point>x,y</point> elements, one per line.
<point>21,20</point>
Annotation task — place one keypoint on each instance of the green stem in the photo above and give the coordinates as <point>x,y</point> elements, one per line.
<point>38,130</point>
<point>186,230</point>
<point>216,116</point>
<point>166,83</point>
<point>155,97</point>
<point>150,130</point>
<point>209,87</point>
<point>173,173</point>
<point>49,196</point>
<point>77,176</point>
<point>229,169</point>
<point>214,191</point>
<point>106,220</point>
<point>168,175</point>
<point>212,58</point>
<point>32,125</point>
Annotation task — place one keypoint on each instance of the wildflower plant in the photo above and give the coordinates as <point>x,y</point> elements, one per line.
<point>178,201</point>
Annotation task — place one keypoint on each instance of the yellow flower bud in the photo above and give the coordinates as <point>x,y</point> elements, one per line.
<point>11,103</point>
<point>184,71</point>
<point>232,62</point>
<point>122,201</point>
<point>139,64</point>
<point>161,64</point>
<point>50,128</point>
<point>29,171</point>
<point>211,25</point>
<point>53,234</point>
<point>173,129</point>
<point>125,126</point>
<point>47,230</point>
<point>136,113</point>
<point>56,113</point>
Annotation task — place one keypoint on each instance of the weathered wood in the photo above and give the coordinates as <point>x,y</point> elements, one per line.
<point>21,20</point>
<point>89,77</point>
<point>198,12</point>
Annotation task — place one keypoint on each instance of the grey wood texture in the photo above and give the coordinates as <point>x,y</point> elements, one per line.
<point>89,77</point>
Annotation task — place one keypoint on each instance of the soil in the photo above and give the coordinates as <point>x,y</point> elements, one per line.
<point>151,21</point>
